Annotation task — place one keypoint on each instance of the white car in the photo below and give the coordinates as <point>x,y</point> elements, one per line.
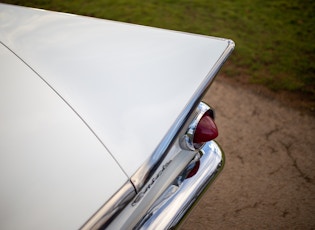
<point>101,121</point>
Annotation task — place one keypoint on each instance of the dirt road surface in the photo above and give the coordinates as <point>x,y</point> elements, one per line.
<point>269,177</point>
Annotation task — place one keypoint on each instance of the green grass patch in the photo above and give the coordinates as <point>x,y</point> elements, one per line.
<point>274,38</point>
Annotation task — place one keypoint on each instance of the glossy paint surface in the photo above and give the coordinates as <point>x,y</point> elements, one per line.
<point>54,173</point>
<point>128,83</point>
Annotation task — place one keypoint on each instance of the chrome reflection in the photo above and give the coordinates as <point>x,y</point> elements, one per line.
<point>133,214</point>
<point>111,209</point>
<point>171,206</point>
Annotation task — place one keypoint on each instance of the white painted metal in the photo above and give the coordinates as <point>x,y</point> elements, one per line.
<point>129,83</point>
<point>54,173</point>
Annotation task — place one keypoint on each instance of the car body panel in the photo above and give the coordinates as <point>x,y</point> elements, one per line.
<point>95,116</point>
<point>54,172</point>
<point>128,83</point>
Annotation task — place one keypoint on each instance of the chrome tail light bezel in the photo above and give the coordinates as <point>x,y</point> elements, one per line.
<point>186,141</point>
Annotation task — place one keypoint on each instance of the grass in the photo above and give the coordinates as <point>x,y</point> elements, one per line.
<point>274,38</point>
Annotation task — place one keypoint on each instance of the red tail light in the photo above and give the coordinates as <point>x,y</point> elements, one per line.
<point>201,129</point>
<point>194,170</point>
<point>206,130</point>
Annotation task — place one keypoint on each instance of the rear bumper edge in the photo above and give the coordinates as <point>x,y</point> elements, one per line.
<point>178,198</point>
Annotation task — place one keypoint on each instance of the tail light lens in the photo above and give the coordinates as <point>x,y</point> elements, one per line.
<point>202,128</point>
<point>206,130</point>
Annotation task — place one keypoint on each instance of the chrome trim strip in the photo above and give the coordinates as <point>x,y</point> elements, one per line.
<point>134,212</point>
<point>111,208</point>
<point>145,172</point>
<point>179,197</point>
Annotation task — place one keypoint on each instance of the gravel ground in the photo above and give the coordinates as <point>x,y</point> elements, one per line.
<point>269,177</point>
